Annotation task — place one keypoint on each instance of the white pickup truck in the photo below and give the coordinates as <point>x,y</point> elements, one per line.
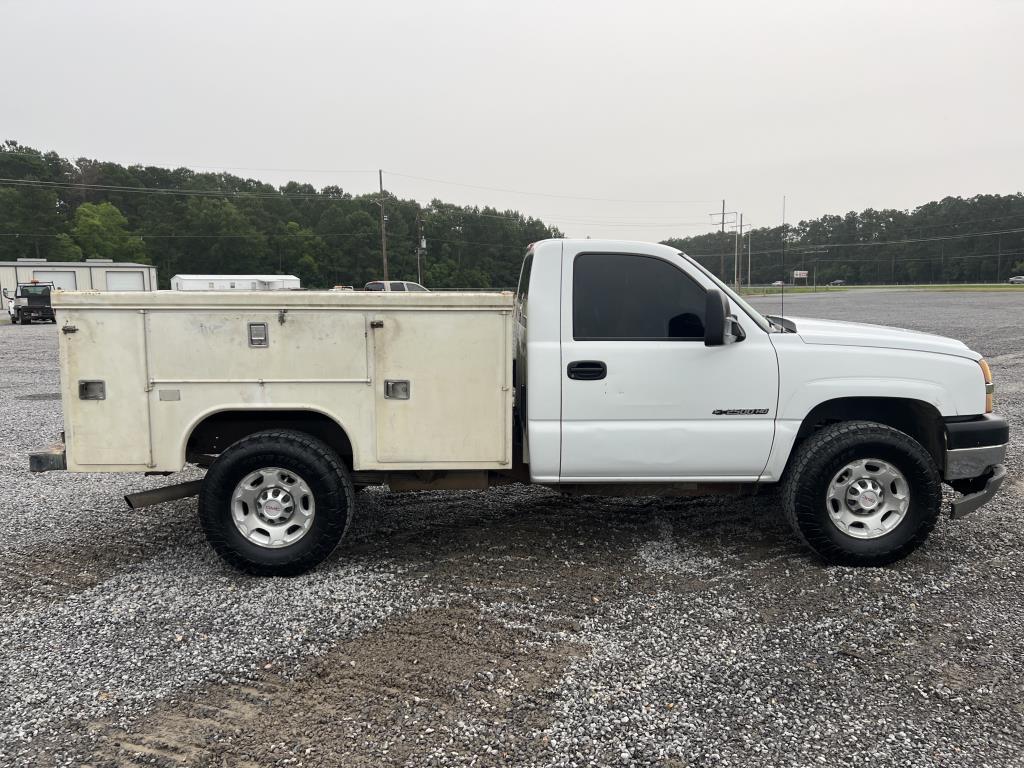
<point>617,368</point>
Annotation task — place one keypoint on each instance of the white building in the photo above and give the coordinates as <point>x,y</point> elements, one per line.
<point>235,283</point>
<point>88,275</point>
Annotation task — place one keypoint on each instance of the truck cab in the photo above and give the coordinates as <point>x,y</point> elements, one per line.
<point>31,301</point>
<point>620,385</point>
<point>636,366</point>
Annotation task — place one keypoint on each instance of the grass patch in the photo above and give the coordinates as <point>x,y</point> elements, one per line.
<point>758,290</point>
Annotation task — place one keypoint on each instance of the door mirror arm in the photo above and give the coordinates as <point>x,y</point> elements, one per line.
<point>720,325</point>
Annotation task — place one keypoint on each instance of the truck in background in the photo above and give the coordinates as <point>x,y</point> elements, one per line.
<point>30,302</point>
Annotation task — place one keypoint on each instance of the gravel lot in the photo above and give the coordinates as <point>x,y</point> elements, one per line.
<point>513,627</point>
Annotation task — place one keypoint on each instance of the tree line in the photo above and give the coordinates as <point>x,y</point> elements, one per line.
<point>184,221</point>
<point>953,240</point>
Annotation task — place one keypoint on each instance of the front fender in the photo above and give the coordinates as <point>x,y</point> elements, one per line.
<point>810,375</point>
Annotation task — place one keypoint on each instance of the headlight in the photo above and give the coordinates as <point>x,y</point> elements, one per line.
<point>989,386</point>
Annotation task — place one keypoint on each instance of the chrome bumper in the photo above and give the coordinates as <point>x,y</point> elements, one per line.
<point>973,462</point>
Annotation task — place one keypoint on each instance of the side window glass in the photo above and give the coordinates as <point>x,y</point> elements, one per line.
<point>628,297</point>
<point>398,286</point>
<point>524,287</point>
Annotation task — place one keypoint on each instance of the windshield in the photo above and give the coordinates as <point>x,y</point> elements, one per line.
<point>756,316</point>
<point>34,290</point>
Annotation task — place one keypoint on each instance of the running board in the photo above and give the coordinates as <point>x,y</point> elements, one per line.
<point>160,495</point>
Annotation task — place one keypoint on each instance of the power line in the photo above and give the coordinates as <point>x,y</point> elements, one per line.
<point>34,183</point>
<point>173,166</point>
<point>241,194</point>
<point>866,244</point>
<point>548,194</point>
<point>234,236</point>
<point>532,193</point>
<point>268,195</point>
<point>968,221</point>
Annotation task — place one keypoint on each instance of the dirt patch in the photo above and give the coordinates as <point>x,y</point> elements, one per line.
<point>411,688</point>
<point>513,593</point>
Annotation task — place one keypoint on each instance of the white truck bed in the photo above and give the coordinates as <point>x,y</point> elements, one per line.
<point>168,360</point>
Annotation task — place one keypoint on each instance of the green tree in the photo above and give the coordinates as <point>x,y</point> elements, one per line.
<point>100,230</point>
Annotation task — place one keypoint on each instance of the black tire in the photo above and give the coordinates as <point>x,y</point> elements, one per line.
<point>817,461</point>
<point>311,459</point>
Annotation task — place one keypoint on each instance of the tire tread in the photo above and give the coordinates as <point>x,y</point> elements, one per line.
<point>334,473</point>
<point>802,515</point>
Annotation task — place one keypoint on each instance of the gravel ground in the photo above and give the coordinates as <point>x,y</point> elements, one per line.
<point>513,627</point>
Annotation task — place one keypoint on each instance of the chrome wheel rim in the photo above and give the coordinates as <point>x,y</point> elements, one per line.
<point>273,507</point>
<point>867,498</point>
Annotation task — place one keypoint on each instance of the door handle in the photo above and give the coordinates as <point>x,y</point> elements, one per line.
<point>587,370</point>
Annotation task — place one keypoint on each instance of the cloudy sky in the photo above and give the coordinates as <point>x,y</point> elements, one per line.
<point>628,119</point>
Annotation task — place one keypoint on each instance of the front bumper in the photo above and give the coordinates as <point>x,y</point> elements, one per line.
<point>969,502</point>
<point>975,451</point>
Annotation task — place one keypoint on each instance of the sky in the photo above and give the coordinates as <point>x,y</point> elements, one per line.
<point>628,119</point>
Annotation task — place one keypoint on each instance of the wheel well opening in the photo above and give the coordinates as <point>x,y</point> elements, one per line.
<point>916,418</point>
<point>219,430</point>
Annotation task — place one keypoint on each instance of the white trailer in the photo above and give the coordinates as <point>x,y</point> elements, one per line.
<point>88,275</point>
<point>235,283</point>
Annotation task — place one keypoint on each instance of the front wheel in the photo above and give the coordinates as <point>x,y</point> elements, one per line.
<point>276,503</point>
<point>862,493</point>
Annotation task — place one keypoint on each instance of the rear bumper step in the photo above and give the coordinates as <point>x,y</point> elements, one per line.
<point>52,459</point>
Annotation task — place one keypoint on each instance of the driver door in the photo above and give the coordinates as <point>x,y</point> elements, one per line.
<point>642,397</point>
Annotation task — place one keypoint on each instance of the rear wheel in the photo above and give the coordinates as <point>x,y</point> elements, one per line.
<point>276,503</point>
<point>861,493</point>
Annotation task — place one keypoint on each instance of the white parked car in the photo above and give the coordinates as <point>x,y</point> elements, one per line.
<point>617,367</point>
<point>393,285</point>
<point>1017,280</point>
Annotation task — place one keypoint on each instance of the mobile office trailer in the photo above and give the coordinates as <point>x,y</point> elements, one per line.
<point>235,283</point>
<point>88,275</point>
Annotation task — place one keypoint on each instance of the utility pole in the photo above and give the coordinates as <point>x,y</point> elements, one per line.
<point>750,252</point>
<point>721,255</point>
<point>999,263</point>
<point>736,257</point>
<point>420,244</point>
<point>383,228</point>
